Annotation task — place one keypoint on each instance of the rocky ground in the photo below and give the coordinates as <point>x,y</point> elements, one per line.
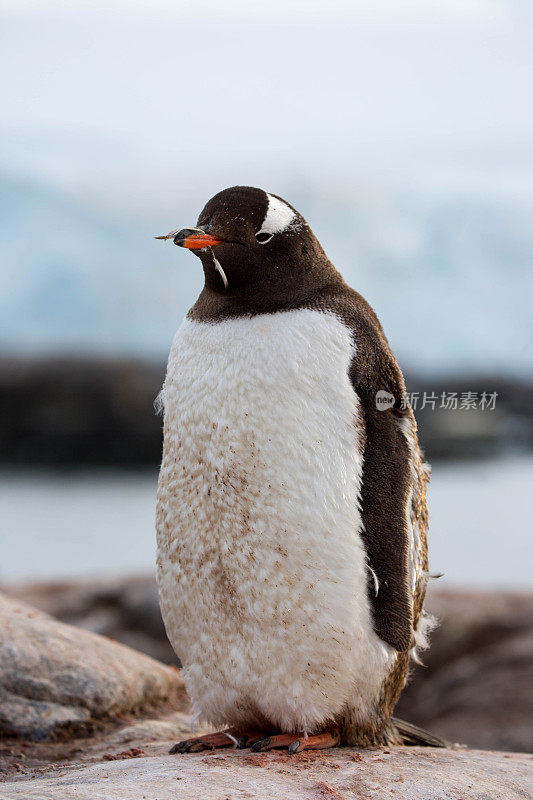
<point>343,774</point>
<point>86,717</point>
<point>69,696</point>
<point>475,686</point>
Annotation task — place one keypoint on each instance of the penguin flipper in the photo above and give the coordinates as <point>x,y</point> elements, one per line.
<point>386,483</point>
<point>387,477</point>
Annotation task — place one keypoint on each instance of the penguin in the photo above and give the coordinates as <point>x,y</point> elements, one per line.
<point>291,510</point>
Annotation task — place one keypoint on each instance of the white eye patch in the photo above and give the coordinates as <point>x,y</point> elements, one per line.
<point>278,218</point>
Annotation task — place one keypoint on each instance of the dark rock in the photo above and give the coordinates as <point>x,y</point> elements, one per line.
<point>476,685</point>
<point>466,433</point>
<point>65,412</point>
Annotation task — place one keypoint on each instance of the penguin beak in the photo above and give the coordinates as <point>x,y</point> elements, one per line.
<point>191,238</point>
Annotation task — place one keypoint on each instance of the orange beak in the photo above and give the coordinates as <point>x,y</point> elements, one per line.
<point>197,240</point>
<point>192,238</point>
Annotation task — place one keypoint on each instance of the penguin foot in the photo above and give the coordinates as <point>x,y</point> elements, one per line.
<point>213,741</point>
<point>295,743</point>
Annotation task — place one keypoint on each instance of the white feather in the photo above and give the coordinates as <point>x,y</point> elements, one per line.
<point>261,566</point>
<point>375,578</point>
<point>426,624</point>
<point>218,267</point>
<point>279,216</point>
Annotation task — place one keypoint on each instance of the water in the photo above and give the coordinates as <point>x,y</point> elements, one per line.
<point>95,523</point>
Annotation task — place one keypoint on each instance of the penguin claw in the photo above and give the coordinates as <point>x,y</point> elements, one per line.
<point>213,741</point>
<point>209,742</point>
<point>280,740</point>
<point>179,747</point>
<point>262,744</point>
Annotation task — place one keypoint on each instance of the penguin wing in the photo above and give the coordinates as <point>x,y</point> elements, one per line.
<point>386,482</point>
<point>387,473</point>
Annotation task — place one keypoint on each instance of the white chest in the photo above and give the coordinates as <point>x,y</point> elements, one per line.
<point>260,564</point>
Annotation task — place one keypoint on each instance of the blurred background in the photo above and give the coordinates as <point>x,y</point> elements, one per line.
<point>403,132</point>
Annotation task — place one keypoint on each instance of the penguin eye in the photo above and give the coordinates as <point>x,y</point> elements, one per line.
<point>263,237</point>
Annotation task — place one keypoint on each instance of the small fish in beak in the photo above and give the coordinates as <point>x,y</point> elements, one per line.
<point>169,235</point>
<point>191,238</point>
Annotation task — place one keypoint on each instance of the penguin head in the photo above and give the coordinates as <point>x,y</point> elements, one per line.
<point>250,241</point>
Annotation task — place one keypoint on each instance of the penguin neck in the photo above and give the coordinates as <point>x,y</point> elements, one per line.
<point>216,304</point>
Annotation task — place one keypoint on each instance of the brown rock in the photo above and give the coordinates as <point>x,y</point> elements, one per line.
<point>126,610</point>
<point>54,677</point>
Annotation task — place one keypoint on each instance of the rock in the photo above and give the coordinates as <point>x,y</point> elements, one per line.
<point>476,687</point>
<point>126,610</point>
<point>174,728</point>
<point>481,648</point>
<point>56,678</point>
<point>396,773</point>
<point>154,736</point>
<point>59,411</point>
<point>63,411</point>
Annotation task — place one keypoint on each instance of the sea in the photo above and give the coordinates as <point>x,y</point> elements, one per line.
<point>92,524</point>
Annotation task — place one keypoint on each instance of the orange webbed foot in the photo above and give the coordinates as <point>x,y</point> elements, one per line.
<point>295,743</point>
<point>214,741</point>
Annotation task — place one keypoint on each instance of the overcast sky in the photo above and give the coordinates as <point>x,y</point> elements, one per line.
<point>402,130</point>
<point>127,101</point>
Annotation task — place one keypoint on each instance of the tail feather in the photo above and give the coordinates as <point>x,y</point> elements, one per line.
<point>413,735</point>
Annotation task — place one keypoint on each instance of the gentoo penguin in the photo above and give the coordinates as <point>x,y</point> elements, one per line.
<point>291,512</point>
